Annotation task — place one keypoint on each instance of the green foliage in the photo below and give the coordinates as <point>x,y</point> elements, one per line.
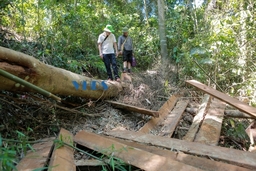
<point>219,41</point>
<point>7,156</point>
<point>69,31</point>
<point>114,162</point>
<point>22,147</point>
<point>235,129</point>
<point>10,149</point>
<point>64,34</point>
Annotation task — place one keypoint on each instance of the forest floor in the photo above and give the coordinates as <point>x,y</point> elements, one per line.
<point>38,117</point>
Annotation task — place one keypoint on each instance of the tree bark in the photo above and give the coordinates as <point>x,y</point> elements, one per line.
<point>162,35</point>
<point>167,68</point>
<point>146,11</point>
<point>55,80</point>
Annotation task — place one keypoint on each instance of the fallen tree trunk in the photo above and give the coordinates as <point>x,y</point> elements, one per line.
<point>228,113</point>
<point>55,80</point>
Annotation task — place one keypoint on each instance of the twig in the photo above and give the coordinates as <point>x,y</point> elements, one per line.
<point>238,145</point>
<point>91,101</point>
<point>20,109</point>
<point>20,141</point>
<point>76,111</point>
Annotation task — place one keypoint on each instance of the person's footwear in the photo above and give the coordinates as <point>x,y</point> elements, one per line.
<point>118,79</point>
<point>129,71</point>
<point>109,79</point>
<point>124,70</point>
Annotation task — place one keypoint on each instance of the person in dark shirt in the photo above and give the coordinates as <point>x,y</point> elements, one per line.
<point>125,48</point>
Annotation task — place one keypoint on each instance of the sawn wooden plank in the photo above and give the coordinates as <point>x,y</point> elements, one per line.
<point>198,119</point>
<point>163,112</point>
<point>173,118</point>
<point>37,158</point>
<point>224,97</point>
<point>134,156</point>
<point>238,157</point>
<point>198,162</point>
<point>210,129</point>
<point>63,156</point>
<point>134,108</point>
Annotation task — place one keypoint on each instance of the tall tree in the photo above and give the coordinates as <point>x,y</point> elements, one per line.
<point>162,35</point>
<point>146,11</point>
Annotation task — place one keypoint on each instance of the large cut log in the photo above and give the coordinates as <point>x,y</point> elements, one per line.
<point>228,113</point>
<point>55,80</point>
<point>236,114</point>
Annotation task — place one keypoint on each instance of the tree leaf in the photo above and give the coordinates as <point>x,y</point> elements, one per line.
<point>198,51</point>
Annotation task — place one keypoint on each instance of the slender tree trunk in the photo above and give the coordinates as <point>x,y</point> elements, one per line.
<point>146,11</point>
<point>162,35</point>
<point>55,80</point>
<point>242,39</point>
<point>212,5</point>
<point>166,66</point>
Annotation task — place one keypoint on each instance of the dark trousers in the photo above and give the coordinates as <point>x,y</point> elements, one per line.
<point>127,56</point>
<point>110,59</point>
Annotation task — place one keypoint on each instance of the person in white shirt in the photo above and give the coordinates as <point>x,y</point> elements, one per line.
<point>108,51</point>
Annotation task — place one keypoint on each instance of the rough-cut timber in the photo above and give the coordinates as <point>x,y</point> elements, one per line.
<point>173,118</point>
<point>37,158</point>
<point>52,79</point>
<point>228,113</point>
<point>134,156</point>
<point>236,114</point>
<point>89,162</point>
<point>191,110</point>
<point>198,162</point>
<point>198,119</point>
<point>240,158</point>
<point>163,112</point>
<point>63,156</point>
<point>223,97</point>
<point>210,129</point>
<point>251,132</point>
<point>134,108</point>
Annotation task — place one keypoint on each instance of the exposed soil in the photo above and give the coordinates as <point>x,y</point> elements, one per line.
<point>45,117</point>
